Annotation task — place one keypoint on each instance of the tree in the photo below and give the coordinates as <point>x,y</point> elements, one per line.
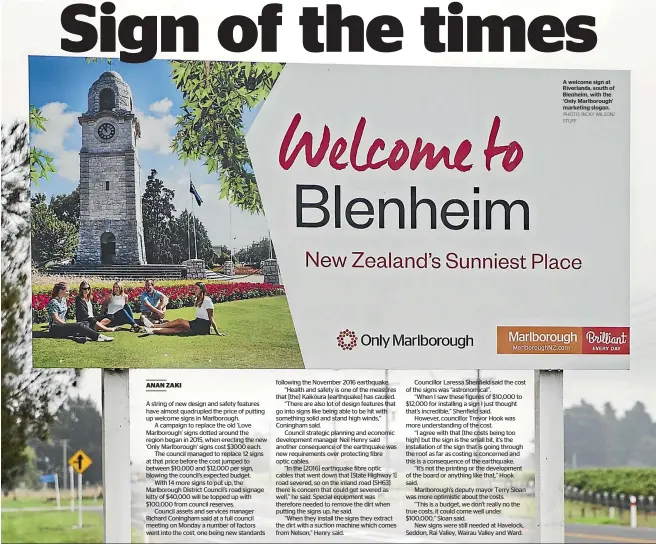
<point>79,422</point>
<point>157,210</point>
<point>643,454</point>
<point>67,207</point>
<point>256,252</point>
<point>584,436</point>
<point>41,164</point>
<point>31,476</point>
<point>615,452</point>
<point>29,396</point>
<point>636,428</point>
<point>210,127</point>
<point>53,240</point>
<point>169,239</point>
<point>604,440</point>
<point>184,242</point>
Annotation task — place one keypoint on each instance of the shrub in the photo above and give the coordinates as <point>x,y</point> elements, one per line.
<point>630,481</point>
<point>245,270</point>
<point>180,296</point>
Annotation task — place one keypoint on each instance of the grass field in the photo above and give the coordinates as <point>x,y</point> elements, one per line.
<point>54,527</point>
<point>260,334</point>
<point>65,498</point>
<point>578,512</point>
<point>46,498</point>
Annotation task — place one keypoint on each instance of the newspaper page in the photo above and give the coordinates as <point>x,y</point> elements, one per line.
<point>342,273</point>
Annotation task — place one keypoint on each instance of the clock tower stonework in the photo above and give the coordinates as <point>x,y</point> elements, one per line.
<point>111,227</point>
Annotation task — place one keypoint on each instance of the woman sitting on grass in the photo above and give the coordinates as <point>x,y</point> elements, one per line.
<point>57,309</point>
<point>200,326</point>
<point>84,310</point>
<point>117,310</point>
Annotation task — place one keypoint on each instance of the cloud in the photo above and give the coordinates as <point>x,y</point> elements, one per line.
<point>60,125</point>
<point>156,130</point>
<point>161,106</point>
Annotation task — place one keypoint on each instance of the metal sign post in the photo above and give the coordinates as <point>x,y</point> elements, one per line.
<point>57,491</point>
<point>79,462</point>
<point>64,444</point>
<point>79,498</point>
<point>117,504</point>
<point>71,483</point>
<point>549,456</point>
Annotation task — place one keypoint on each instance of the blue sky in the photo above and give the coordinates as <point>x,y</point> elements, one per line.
<point>59,86</point>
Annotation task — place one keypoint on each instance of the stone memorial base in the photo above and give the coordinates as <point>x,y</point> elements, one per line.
<point>195,269</point>
<point>271,272</point>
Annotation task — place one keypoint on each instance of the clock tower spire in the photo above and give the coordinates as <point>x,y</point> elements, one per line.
<point>111,227</point>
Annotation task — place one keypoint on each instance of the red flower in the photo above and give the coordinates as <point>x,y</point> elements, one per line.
<point>179,295</point>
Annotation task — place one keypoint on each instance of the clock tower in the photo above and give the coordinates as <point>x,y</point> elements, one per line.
<point>111,227</point>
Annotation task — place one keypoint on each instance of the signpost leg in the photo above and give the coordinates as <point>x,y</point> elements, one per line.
<point>79,499</point>
<point>549,456</point>
<point>57,491</point>
<point>117,504</point>
<point>71,480</point>
<point>64,443</point>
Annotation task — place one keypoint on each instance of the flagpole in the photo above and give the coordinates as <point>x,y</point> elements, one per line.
<point>188,217</point>
<point>193,221</point>
<point>230,234</point>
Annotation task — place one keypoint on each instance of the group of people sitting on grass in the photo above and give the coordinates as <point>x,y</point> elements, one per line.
<point>117,313</point>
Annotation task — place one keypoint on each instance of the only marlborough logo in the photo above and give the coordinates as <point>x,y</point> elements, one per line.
<point>347,340</point>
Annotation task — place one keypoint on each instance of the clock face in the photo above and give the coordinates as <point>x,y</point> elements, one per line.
<point>106,131</point>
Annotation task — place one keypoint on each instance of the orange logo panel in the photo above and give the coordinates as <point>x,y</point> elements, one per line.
<point>539,340</point>
<point>563,341</point>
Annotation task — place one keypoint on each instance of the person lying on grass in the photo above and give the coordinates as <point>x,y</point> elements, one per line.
<point>58,328</point>
<point>200,326</point>
<point>153,304</point>
<point>84,310</point>
<point>116,310</point>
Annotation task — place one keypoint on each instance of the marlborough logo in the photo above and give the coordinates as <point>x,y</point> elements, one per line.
<point>347,340</point>
<point>563,340</point>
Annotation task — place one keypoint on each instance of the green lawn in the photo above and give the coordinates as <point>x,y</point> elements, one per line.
<point>9,502</point>
<point>260,334</point>
<point>578,512</point>
<point>54,527</point>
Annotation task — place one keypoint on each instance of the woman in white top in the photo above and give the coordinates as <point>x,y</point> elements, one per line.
<point>202,325</point>
<point>117,309</point>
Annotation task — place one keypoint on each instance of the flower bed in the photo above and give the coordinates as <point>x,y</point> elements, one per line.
<point>43,284</point>
<point>180,296</point>
<point>239,270</point>
<point>245,270</point>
